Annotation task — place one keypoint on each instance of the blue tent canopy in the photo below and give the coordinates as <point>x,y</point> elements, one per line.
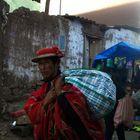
<point>121,49</point>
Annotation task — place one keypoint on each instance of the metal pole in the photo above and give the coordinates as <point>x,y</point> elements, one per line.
<point>47,7</point>
<point>60,8</point>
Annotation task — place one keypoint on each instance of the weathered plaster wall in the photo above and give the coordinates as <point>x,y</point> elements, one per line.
<point>114,36</point>
<point>24,40</point>
<point>26,32</point>
<point>74,58</point>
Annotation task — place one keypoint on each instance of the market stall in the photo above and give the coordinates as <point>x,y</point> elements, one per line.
<point>125,58</point>
<point>122,49</point>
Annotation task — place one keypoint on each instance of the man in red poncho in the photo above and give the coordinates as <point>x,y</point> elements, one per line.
<point>58,111</point>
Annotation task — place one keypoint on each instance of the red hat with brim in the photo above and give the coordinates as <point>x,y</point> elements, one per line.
<point>47,53</point>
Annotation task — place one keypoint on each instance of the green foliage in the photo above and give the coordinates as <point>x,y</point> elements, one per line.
<point>15,4</point>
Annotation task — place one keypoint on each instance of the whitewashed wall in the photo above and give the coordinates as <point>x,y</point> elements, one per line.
<point>114,36</point>
<point>74,58</point>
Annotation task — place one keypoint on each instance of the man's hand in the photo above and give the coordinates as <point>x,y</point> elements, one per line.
<point>58,85</point>
<point>54,92</point>
<point>51,95</point>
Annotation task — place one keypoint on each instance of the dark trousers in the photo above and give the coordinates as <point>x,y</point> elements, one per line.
<point>110,128</point>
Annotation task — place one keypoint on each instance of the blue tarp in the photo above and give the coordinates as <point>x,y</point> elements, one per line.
<point>122,49</point>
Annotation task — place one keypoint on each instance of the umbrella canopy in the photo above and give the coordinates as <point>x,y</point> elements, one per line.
<point>122,49</point>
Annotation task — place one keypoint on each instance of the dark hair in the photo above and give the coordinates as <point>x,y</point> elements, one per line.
<point>54,59</point>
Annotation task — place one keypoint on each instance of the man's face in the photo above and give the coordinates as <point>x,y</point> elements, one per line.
<point>48,68</point>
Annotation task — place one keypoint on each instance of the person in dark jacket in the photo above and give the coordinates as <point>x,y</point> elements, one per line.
<point>119,81</point>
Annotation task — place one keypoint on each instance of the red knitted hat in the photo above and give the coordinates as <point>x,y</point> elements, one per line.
<point>47,52</point>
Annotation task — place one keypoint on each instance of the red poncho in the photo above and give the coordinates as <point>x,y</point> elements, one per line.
<point>66,118</point>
